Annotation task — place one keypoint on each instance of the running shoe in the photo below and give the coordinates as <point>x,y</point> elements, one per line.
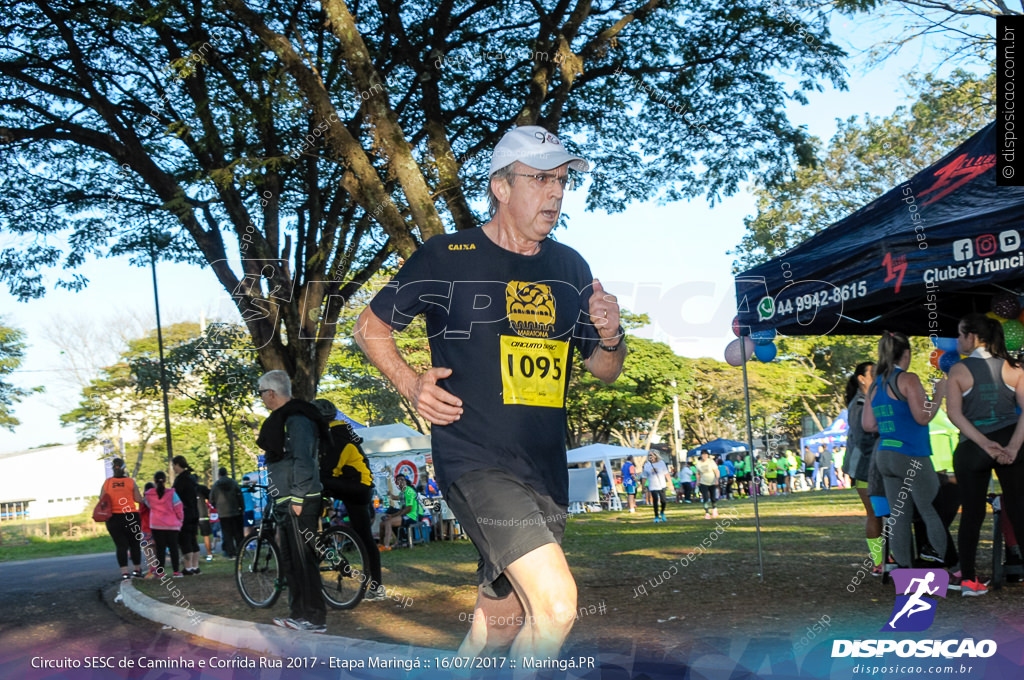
<point>972,588</point>
<point>714,512</point>
<point>930,554</point>
<point>374,594</point>
<point>877,570</point>
<point>176,574</point>
<point>209,558</point>
<point>137,573</point>
<point>707,515</point>
<point>126,577</point>
<point>384,548</point>
<point>284,622</point>
<point>301,624</point>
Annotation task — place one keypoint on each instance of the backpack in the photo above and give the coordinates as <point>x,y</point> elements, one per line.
<point>342,435</point>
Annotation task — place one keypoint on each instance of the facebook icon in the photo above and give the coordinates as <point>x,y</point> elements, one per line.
<point>963,249</point>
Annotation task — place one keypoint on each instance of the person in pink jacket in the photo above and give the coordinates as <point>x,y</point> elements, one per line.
<point>165,518</point>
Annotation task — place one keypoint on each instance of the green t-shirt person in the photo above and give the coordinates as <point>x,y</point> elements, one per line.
<point>410,501</point>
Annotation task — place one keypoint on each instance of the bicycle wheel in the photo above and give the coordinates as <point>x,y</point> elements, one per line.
<point>258,572</point>
<point>343,567</point>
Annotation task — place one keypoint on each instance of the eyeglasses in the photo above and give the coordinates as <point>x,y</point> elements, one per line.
<point>262,391</point>
<point>545,178</point>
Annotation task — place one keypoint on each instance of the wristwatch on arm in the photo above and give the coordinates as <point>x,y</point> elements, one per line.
<point>621,334</point>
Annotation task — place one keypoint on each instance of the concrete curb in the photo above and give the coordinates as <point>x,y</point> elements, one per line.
<point>265,638</point>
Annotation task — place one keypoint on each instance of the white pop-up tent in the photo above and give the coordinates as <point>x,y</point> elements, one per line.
<point>393,449</point>
<point>582,489</point>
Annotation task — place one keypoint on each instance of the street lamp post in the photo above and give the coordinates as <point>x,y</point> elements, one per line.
<point>157,241</point>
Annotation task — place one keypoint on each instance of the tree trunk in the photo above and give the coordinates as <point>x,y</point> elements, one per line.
<point>654,428</point>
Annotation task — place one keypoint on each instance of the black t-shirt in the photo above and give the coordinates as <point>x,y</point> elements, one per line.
<point>185,485</point>
<point>507,325</point>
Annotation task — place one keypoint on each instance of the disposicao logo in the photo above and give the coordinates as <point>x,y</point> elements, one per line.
<point>914,611</point>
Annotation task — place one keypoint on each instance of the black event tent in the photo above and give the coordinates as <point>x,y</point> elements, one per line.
<point>914,260</point>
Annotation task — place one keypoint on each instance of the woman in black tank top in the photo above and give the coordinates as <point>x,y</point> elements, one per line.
<point>985,392</point>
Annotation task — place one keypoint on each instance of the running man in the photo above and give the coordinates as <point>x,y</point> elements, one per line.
<point>914,604</point>
<point>506,309</point>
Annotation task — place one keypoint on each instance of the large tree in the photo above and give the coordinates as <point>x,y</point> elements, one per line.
<point>313,141</point>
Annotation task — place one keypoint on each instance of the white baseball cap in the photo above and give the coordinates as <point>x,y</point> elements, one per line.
<point>533,146</point>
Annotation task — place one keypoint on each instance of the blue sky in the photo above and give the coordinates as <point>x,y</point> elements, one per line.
<point>685,287</point>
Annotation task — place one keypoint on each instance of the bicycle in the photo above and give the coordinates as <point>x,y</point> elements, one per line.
<point>342,557</point>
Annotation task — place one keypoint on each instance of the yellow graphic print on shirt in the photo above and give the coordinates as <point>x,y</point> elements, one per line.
<point>531,308</point>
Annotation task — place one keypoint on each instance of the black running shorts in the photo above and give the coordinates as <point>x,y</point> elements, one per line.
<point>505,519</point>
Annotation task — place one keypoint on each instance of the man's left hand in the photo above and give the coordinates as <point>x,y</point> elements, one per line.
<point>604,312</point>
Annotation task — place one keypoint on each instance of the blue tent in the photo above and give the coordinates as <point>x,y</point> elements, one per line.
<point>344,418</point>
<point>832,436</point>
<point>718,447</point>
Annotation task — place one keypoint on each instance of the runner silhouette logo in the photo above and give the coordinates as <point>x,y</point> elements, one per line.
<point>915,604</point>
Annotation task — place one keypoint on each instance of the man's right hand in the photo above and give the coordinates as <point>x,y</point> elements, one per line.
<point>434,403</point>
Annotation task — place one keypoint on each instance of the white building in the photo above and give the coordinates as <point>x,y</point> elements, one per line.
<point>52,481</point>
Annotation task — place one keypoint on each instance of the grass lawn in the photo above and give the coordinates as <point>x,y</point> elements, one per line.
<point>655,584</point>
<point>40,547</point>
<point>75,535</point>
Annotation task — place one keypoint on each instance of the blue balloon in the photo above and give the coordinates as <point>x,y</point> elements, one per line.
<point>947,360</point>
<point>765,353</point>
<point>763,337</point>
<point>945,344</point>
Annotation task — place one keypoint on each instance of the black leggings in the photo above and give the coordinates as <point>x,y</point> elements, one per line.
<point>707,494</point>
<point>656,496</point>
<point>120,529</point>
<point>973,468</point>
<point>166,539</point>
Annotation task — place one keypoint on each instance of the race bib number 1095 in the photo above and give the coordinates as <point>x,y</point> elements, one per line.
<point>533,371</point>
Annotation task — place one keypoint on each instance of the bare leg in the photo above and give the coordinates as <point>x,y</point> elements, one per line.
<point>495,624</point>
<point>546,588</point>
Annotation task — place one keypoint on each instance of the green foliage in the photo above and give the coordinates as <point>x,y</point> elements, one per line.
<point>629,409</point>
<point>827,362</point>
<point>217,374</point>
<point>12,352</point>
<point>210,395</point>
<point>313,143</point>
<point>363,393</point>
<point>865,159</point>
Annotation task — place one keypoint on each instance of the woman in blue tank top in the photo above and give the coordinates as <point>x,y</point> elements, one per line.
<point>900,412</point>
<point>985,390</point>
